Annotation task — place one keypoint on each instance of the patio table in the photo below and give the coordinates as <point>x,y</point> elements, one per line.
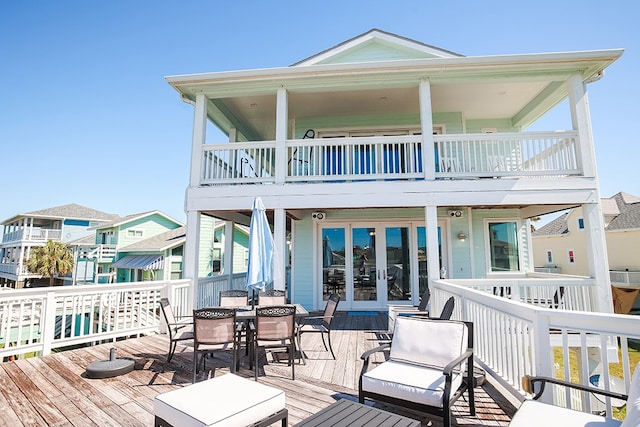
<point>347,413</point>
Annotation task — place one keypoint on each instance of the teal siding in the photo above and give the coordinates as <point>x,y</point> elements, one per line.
<point>151,225</point>
<point>375,51</point>
<point>303,277</point>
<point>205,247</point>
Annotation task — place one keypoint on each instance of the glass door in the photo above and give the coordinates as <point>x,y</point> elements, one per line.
<point>371,265</point>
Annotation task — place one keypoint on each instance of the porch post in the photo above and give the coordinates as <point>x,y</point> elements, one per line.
<point>281,135</point>
<point>581,121</point>
<point>228,256</point>
<point>198,139</point>
<point>597,255</point>
<point>280,242</point>
<point>190,256</point>
<point>426,121</point>
<point>433,259</point>
<point>192,243</point>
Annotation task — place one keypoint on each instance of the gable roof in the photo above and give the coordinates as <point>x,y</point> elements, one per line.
<point>379,43</point>
<point>125,219</point>
<point>554,228</point>
<point>69,211</point>
<point>629,217</point>
<point>160,242</point>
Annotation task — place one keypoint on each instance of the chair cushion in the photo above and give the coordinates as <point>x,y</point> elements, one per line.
<point>535,414</point>
<point>228,400</point>
<point>632,418</point>
<point>407,381</point>
<point>427,341</point>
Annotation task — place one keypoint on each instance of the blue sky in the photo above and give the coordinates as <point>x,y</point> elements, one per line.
<point>87,117</point>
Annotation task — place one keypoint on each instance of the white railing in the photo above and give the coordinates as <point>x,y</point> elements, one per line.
<point>208,288</point>
<point>355,158</point>
<point>543,290</point>
<point>238,163</point>
<point>513,339</point>
<point>507,154</point>
<point>15,269</point>
<point>394,157</point>
<point>42,319</point>
<point>625,278</point>
<point>32,234</point>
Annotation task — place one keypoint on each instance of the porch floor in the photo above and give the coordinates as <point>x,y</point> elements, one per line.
<point>53,390</point>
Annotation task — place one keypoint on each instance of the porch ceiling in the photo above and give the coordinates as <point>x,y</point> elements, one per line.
<point>516,87</point>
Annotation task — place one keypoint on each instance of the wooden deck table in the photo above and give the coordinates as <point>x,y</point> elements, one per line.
<point>346,413</point>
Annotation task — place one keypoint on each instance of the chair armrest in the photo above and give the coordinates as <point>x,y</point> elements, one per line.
<point>179,325</point>
<point>448,370</point>
<point>367,354</point>
<point>304,320</point>
<point>528,384</point>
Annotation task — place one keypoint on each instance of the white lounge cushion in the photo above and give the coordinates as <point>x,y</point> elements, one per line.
<point>428,342</point>
<point>632,418</point>
<point>407,381</point>
<point>228,400</point>
<point>535,414</point>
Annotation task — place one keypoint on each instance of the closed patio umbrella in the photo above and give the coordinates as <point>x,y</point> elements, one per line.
<point>260,273</point>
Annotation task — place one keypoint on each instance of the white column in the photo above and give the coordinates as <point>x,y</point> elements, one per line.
<point>280,243</point>
<point>228,257</point>
<point>597,255</point>
<point>281,135</point>
<point>198,139</point>
<point>426,120</point>
<point>191,254</point>
<point>581,121</point>
<point>433,257</point>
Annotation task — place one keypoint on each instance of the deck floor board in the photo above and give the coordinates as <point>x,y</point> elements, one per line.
<point>54,390</point>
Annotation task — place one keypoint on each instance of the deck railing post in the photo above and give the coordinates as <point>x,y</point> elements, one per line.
<point>49,327</point>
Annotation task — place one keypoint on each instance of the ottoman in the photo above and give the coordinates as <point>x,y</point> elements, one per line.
<point>228,400</point>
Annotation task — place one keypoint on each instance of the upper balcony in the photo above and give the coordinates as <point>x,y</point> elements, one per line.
<point>457,156</point>
<point>32,234</point>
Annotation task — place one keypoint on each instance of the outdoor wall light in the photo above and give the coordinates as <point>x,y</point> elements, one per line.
<point>461,236</point>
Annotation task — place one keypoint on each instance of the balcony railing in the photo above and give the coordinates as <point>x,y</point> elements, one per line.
<point>513,339</point>
<point>32,234</point>
<point>530,154</point>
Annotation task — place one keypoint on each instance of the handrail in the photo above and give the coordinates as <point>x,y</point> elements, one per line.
<point>514,339</point>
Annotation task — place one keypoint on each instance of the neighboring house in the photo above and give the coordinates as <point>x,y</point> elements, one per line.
<point>156,258</point>
<point>25,231</point>
<point>386,163</point>
<point>105,255</point>
<point>561,245</point>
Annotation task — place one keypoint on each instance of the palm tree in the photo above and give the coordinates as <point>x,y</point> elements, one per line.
<point>51,259</point>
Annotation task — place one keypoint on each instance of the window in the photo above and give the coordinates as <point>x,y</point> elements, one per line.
<point>503,246</point>
<point>572,258</point>
<point>581,223</point>
<point>134,233</point>
<point>549,257</point>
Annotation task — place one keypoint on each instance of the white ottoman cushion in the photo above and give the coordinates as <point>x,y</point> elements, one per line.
<point>228,400</point>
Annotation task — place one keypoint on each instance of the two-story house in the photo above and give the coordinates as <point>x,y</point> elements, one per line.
<point>385,163</point>
<point>560,246</point>
<point>33,229</point>
<point>123,251</point>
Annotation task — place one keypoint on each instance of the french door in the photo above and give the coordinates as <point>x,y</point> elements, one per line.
<point>373,264</point>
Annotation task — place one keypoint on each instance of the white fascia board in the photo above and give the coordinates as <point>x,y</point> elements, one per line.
<point>432,65</point>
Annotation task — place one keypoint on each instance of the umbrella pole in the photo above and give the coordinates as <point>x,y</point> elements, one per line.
<point>253,299</point>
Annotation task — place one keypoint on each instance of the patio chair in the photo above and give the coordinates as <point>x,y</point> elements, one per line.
<point>272,297</point>
<point>179,328</point>
<point>319,324</point>
<point>532,412</point>
<point>274,328</point>
<point>430,366</point>
<point>214,330</point>
<point>233,298</point>
<point>447,309</point>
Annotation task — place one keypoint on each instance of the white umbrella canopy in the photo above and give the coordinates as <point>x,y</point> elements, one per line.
<point>262,254</point>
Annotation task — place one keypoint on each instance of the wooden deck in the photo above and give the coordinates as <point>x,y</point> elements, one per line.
<point>53,390</point>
